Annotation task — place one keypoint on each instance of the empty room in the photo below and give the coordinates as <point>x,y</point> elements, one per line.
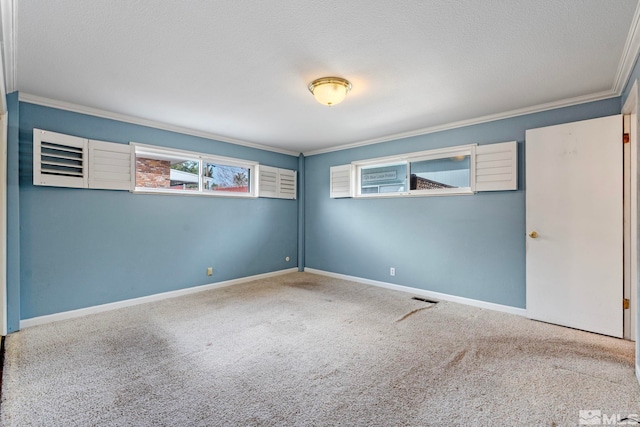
<point>299,213</point>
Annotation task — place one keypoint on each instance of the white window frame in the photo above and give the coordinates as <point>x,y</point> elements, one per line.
<point>202,158</point>
<point>407,159</point>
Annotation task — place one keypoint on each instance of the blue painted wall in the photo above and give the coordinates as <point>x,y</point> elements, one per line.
<point>77,248</point>
<point>301,215</point>
<point>13,216</point>
<point>81,247</point>
<point>469,246</point>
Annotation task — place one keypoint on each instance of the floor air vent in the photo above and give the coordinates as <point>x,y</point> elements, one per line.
<point>425,300</point>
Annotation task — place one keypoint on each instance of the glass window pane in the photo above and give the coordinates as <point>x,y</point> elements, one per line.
<point>436,174</point>
<point>383,179</point>
<point>235,179</point>
<point>167,172</point>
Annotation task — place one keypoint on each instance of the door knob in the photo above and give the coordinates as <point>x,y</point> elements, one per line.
<point>533,234</point>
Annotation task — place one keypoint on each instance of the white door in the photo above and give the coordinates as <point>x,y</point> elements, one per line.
<point>574,220</point>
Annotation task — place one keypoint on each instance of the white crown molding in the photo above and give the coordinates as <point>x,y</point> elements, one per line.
<point>423,292</point>
<point>8,13</point>
<point>72,314</point>
<point>469,122</point>
<point>629,54</point>
<point>61,105</point>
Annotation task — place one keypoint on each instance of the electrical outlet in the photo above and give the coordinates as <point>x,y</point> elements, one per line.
<point>392,271</point>
<point>209,271</point>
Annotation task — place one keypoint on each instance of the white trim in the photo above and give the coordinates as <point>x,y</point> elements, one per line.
<point>630,108</point>
<point>598,96</point>
<point>177,152</point>
<point>8,12</point>
<point>415,156</point>
<point>67,106</point>
<point>176,192</point>
<point>46,102</point>
<point>170,153</point>
<point>626,234</point>
<point>629,54</point>
<point>423,292</point>
<point>72,314</point>
<point>463,191</point>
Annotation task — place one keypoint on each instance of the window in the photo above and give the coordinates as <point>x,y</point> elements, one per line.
<point>163,171</point>
<point>181,172</point>
<point>463,169</point>
<point>219,177</point>
<point>383,178</point>
<point>434,172</point>
<point>441,174</point>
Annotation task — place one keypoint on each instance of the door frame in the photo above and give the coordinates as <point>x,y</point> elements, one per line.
<point>631,108</point>
<point>630,247</point>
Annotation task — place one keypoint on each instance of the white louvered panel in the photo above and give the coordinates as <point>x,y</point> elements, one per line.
<point>109,165</point>
<point>59,160</point>
<point>268,181</point>
<point>341,181</point>
<point>505,171</point>
<point>286,184</point>
<point>497,167</point>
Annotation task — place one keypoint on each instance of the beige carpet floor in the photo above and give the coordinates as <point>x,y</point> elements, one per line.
<point>307,350</point>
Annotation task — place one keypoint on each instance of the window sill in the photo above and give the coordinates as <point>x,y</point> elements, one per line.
<point>142,190</point>
<point>415,194</point>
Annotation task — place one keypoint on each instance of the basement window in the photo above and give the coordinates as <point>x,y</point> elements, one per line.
<point>434,172</point>
<point>160,170</point>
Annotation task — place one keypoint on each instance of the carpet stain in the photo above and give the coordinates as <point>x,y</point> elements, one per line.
<point>554,348</point>
<point>309,286</point>
<point>414,312</point>
<point>455,360</point>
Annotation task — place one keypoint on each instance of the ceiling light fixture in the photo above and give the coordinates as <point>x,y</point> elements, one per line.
<point>329,90</point>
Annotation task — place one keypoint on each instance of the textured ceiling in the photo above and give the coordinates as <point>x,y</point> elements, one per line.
<point>239,69</point>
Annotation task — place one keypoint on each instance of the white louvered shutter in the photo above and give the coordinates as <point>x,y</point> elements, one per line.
<point>277,183</point>
<point>341,181</point>
<point>59,160</point>
<point>268,181</point>
<point>497,167</point>
<point>109,165</point>
<point>286,184</point>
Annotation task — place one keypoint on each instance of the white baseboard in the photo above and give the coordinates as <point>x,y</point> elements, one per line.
<point>40,320</point>
<point>424,293</point>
